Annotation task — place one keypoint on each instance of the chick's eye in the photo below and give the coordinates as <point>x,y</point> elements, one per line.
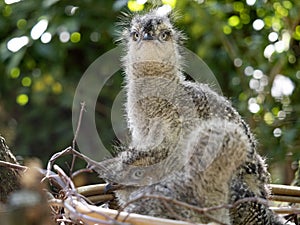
<point>135,36</point>
<point>165,35</point>
<point>137,174</point>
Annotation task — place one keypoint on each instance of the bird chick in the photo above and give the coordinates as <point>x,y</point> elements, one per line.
<point>187,142</point>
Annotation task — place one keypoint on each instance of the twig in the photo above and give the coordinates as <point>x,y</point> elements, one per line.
<point>56,202</point>
<point>285,210</point>
<point>70,195</point>
<point>91,190</point>
<point>76,135</point>
<point>64,220</point>
<point>283,198</point>
<point>86,209</point>
<point>76,173</point>
<point>68,150</point>
<point>79,124</point>
<point>67,180</point>
<point>278,189</point>
<point>54,157</point>
<point>13,166</point>
<point>100,198</point>
<point>133,219</point>
<point>75,213</point>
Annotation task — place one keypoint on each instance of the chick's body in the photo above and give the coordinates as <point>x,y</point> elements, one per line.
<point>185,131</point>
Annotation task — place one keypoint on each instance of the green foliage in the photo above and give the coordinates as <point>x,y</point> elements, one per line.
<point>246,44</point>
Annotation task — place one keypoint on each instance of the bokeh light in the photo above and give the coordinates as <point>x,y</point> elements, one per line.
<point>15,44</point>
<point>134,6</point>
<point>64,36</point>
<point>282,86</point>
<point>14,72</point>
<point>258,24</point>
<point>39,29</point>
<point>26,81</point>
<point>75,37</point>
<point>22,99</point>
<point>46,37</point>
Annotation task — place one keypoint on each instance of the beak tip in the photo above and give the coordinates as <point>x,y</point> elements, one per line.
<point>147,36</point>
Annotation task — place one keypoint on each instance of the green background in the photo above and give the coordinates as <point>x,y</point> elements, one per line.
<point>37,82</point>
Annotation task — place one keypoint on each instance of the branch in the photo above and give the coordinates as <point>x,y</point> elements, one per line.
<point>91,190</point>
<point>76,135</point>
<point>101,198</point>
<point>278,189</point>
<point>79,124</point>
<point>13,166</point>
<point>133,219</point>
<point>68,151</point>
<point>285,210</point>
<point>282,198</point>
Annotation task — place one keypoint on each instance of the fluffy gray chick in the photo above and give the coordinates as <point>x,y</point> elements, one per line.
<point>187,142</point>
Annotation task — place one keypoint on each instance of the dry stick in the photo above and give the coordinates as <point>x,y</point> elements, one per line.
<point>285,210</point>
<point>13,166</point>
<point>61,172</point>
<point>132,218</point>
<point>79,124</point>
<point>90,190</point>
<point>55,180</point>
<point>78,215</point>
<point>99,213</point>
<point>100,198</point>
<point>56,205</point>
<point>76,135</point>
<point>62,204</point>
<point>56,202</point>
<point>278,189</point>
<point>95,193</point>
<point>68,150</point>
<point>64,220</point>
<point>76,173</point>
<point>282,198</point>
<point>68,180</point>
<point>54,157</point>
<point>70,184</point>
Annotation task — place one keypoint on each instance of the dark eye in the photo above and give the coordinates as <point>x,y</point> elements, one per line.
<point>135,36</point>
<point>164,36</point>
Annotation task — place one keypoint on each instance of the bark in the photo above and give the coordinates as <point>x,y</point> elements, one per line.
<point>9,178</point>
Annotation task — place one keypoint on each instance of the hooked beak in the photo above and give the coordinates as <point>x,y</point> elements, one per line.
<point>147,37</point>
<point>110,187</point>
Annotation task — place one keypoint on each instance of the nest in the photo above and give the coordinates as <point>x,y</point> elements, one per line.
<point>81,205</point>
<point>65,204</point>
